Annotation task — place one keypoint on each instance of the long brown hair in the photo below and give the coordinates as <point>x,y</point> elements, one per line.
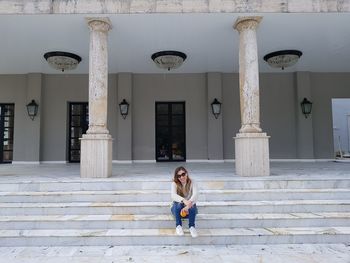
<point>180,189</point>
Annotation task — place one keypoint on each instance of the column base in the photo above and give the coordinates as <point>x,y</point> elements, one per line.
<point>252,154</point>
<point>96,156</point>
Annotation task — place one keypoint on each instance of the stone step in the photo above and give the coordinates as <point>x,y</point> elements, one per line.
<point>167,221</point>
<point>223,236</point>
<point>164,195</point>
<point>81,208</point>
<point>110,184</point>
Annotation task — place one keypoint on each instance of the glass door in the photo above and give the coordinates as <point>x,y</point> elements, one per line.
<point>7,115</point>
<point>170,131</point>
<point>78,124</point>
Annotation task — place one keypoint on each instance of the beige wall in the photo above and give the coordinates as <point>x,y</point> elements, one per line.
<point>147,89</point>
<point>58,90</point>
<point>230,112</point>
<point>277,113</point>
<point>277,104</point>
<point>215,125</point>
<point>326,86</point>
<point>279,108</point>
<point>13,90</point>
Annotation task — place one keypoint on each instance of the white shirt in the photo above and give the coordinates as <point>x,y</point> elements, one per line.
<point>178,198</point>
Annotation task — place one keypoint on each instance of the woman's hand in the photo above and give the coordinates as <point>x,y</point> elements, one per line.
<point>187,203</point>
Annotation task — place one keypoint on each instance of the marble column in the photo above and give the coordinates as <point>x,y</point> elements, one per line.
<point>96,144</point>
<point>251,144</point>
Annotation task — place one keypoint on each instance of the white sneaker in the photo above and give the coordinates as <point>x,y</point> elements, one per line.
<point>193,232</point>
<point>179,231</point>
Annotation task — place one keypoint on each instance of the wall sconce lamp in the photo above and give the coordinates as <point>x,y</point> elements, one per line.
<point>124,108</point>
<point>216,108</point>
<point>32,109</point>
<point>306,107</point>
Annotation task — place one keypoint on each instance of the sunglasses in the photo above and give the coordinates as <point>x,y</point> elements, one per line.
<point>181,174</point>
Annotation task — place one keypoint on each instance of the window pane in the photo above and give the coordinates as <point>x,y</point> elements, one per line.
<point>75,156</point>
<point>178,133</point>
<point>6,140</point>
<point>75,121</point>
<point>163,149</point>
<point>177,120</point>
<point>76,132</point>
<point>79,123</point>
<point>76,109</point>
<point>8,121</point>
<point>75,144</point>
<point>177,108</point>
<point>163,132</point>
<point>162,108</point>
<point>177,151</point>
<point>170,139</point>
<point>8,145</point>
<point>7,155</point>
<point>9,110</point>
<point>8,133</point>
<point>162,120</point>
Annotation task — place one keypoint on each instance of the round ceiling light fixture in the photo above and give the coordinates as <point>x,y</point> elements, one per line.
<point>62,60</point>
<point>283,58</point>
<point>169,59</point>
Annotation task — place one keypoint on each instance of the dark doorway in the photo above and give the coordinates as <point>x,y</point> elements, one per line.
<point>78,124</point>
<point>7,116</point>
<point>170,132</point>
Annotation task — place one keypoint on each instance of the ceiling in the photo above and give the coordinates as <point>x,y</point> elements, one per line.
<point>209,40</point>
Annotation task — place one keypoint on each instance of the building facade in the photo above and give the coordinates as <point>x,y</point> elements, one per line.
<point>170,116</point>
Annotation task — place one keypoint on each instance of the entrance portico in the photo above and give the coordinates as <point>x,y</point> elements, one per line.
<point>252,151</point>
<point>211,71</point>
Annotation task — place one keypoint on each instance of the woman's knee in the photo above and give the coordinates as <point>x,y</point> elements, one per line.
<point>193,209</point>
<point>177,206</point>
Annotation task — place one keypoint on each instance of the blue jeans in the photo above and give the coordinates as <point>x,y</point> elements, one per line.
<point>176,209</point>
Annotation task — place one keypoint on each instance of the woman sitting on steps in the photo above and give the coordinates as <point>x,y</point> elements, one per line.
<point>184,196</point>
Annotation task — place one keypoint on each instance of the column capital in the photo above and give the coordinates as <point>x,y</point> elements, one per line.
<point>99,23</point>
<point>247,22</point>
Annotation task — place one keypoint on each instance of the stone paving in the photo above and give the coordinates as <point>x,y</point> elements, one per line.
<point>42,172</point>
<point>335,253</point>
<point>305,253</point>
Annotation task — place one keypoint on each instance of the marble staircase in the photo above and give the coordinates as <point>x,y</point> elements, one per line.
<point>136,211</point>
